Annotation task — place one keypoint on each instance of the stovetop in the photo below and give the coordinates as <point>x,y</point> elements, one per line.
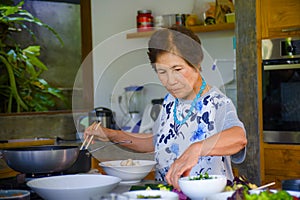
<point>19,182</point>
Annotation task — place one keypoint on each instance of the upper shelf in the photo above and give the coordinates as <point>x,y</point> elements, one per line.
<point>196,29</point>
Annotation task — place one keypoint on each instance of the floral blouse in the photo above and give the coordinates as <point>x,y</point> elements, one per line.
<point>213,113</point>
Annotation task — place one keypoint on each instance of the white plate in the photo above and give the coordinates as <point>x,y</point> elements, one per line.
<point>165,195</point>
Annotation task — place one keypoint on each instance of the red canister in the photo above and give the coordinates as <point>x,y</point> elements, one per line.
<point>144,20</point>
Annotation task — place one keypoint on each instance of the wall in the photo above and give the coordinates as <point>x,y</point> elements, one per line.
<point>115,56</point>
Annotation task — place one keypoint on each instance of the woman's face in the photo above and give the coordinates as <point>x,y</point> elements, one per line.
<point>180,79</point>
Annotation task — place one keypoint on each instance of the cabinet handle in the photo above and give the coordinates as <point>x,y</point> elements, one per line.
<point>290,29</point>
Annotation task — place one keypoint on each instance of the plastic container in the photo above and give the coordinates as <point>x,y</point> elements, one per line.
<point>230,17</point>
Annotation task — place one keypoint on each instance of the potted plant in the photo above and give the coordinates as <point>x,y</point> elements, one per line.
<point>21,87</point>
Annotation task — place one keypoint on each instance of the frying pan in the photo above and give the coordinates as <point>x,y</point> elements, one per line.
<point>41,159</point>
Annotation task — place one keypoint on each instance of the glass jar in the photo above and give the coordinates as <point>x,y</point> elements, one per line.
<point>144,20</point>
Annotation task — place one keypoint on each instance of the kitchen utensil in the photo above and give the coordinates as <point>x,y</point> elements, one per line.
<point>90,138</point>
<point>41,159</point>
<point>264,186</point>
<point>73,187</point>
<point>112,143</point>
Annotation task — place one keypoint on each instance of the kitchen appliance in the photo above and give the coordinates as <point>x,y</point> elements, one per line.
<point>150,115</point>
<point>281,90</point>
<point>131,104</point>
<point>103,115</point>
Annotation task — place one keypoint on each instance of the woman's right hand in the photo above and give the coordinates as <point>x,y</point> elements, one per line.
<point>98,132</point>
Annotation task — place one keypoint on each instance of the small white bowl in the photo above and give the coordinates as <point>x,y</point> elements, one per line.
<point>166,195</point>
<point>73,187</point>
<point>199,189</point>
<point>128,174</point>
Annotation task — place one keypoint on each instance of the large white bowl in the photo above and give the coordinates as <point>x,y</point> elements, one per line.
<point>128,174</point>
<point>166,195</point>
<point>199,189</point>
<point>73,187</point>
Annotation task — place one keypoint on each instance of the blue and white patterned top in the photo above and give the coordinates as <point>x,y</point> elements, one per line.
<point>214,112</point>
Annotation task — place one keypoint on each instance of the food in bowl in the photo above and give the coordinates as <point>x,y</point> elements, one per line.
<point>198,187</point>
<point>132,172</point>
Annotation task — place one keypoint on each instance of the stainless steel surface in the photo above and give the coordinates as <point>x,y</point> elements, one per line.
<point>281,87</point>
<point>281,48</point>
<point>286,137</point>
<point>281,66</point>
<point>41,159</point>
<point>103,115</point>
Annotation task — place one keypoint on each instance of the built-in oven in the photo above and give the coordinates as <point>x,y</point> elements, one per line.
<point>281,90</point>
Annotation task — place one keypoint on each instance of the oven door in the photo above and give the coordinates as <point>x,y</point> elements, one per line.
<point>281,101</point>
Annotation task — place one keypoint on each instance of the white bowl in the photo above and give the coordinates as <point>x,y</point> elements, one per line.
<point>198,189</point>
<point>73,187</point>
<point>128,174</point>
<point>166,195</point>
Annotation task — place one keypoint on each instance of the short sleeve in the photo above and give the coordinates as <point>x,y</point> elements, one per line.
<point>231,120</point>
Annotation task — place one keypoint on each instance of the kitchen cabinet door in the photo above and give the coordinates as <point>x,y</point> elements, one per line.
<point>280,18</point>
<point>282,162</point>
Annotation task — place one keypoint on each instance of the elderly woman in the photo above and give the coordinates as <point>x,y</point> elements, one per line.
<point>198,129</point>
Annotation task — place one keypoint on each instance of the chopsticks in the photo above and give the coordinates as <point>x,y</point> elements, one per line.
<point>89,139</point>
<point>264,186</point>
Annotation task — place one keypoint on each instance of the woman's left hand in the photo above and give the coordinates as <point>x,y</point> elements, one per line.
<point>183,165</point>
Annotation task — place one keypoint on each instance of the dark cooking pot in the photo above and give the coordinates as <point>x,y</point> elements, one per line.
<point>41,159</point>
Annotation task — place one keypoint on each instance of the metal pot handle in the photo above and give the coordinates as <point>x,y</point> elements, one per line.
<point>112,143</point>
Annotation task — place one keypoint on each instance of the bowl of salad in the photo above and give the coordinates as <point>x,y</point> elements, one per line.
<point>199,187</point>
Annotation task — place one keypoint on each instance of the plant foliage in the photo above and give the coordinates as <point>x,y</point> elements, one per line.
<point>21,87</point>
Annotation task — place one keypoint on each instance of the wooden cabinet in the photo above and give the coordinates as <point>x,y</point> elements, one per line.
<point>276,19</point>
<point>281,162</point>
<point>280,18</point>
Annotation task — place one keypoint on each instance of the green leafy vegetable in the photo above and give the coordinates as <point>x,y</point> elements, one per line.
<point>139,196</point>
<point>201,177</point>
